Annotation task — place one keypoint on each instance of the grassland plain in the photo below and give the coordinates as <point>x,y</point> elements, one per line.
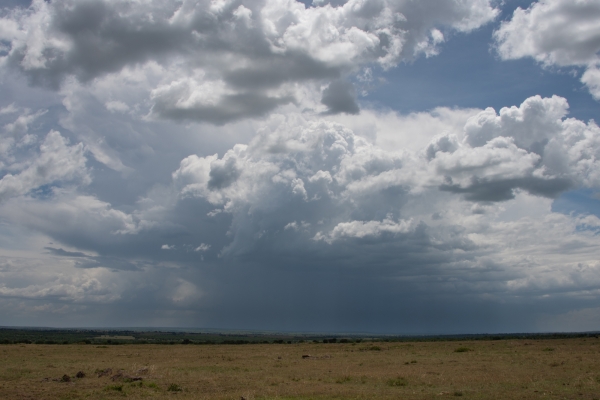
<point>505,369</point>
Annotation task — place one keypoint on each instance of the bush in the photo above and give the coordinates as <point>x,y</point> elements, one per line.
<point>462,350</point>
<point>343,379</point>
<point>173,387</point>
<point>399,381</point>
<point>118,388</point>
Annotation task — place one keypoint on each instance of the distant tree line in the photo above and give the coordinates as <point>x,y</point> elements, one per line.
<point>100,337</point>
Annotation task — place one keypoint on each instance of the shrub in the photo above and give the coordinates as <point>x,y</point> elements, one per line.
<point>399,381</point>
<point>173,387</point>
<point>462,350</point>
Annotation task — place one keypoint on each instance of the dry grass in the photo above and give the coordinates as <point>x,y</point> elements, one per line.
<point>511,369</point>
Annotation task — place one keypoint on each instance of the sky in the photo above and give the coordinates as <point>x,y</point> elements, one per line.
<point>360,166</point>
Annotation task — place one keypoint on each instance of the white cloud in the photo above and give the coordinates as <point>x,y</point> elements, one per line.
<point>229,61</point>
<point>203,247</point>
<point>185,293</point>
<point>57,161</point>
<point>361,229</point>
<point>556,33</point>
<point>392,131</point>
<point>116,106</point>
<point>37,278</point>
<point>69,216</point>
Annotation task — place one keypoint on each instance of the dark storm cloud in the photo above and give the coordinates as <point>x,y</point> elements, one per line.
<point>272,72</point>
<point>112,263</point>
<point>230,108</point>
<point>65,253</point>
<point>102,40</point>
<point>223,174</point>
<point>503,190</point>
<point>340,97</point>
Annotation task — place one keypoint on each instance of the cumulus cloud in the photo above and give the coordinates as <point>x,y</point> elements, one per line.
<point>471,201</point>
<point>238,59</point>
<point>309,194</point>
<point>545,31</point>
<point>343,186</point>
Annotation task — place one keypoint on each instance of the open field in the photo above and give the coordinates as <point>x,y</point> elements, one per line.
<point>504,369</point>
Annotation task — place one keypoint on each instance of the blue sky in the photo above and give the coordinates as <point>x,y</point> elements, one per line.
<point>341,166</point>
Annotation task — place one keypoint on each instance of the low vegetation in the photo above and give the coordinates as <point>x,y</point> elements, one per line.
<point>505,369</point>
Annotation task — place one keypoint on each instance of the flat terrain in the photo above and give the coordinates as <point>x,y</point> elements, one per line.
<point>504,369</point>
